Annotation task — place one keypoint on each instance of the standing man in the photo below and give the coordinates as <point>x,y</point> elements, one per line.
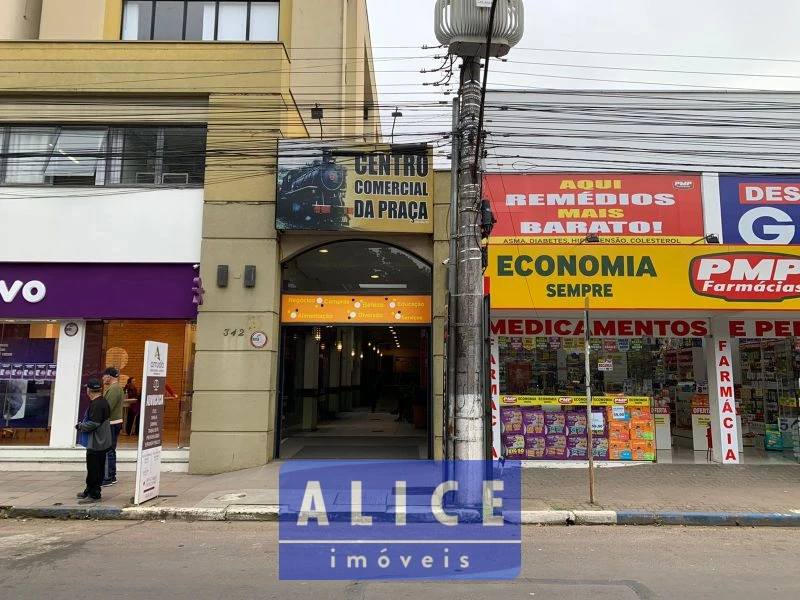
<point>115,397</point>
<point>95,431</point>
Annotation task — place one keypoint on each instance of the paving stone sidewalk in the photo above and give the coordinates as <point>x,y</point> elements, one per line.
<point>685,488</point>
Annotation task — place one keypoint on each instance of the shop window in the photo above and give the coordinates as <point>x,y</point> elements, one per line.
<point>168,156</point>
<point>201,20</point>
<point>139,156</point>
<point>183,153</point>
<point>54,155</point>
<point>27,376</point>
<point>121,344</point>
<point>27,150</point>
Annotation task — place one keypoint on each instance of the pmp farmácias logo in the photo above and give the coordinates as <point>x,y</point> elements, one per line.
<point>746,276</point>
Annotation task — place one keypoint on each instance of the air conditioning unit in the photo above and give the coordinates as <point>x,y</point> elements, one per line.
<point>146,177</point>
<point>175,178</point>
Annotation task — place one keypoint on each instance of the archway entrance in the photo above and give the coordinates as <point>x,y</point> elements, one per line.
<point>355,360</point>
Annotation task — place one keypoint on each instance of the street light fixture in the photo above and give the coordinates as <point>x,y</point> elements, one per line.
<point>591,238</point>
<point>711,238</point>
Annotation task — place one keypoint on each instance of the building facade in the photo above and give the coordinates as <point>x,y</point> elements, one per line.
<point>138,152</point>
<point>645,252</point>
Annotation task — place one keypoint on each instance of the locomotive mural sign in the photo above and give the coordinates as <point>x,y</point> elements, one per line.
<point>354,187</point>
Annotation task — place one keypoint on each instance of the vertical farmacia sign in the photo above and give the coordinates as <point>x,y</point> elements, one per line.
<point>330,186</point>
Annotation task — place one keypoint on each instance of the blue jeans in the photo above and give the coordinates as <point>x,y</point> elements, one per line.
<point>111,457</point>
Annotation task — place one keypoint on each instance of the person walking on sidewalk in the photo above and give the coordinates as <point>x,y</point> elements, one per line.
<point>95,435</point>
<point>115,397</point>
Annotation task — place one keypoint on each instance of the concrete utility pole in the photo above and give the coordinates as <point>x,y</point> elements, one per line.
<point>469,392</point>
<point>471,30</point>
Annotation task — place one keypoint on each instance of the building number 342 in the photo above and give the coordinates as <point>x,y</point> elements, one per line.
<point>233,332</point>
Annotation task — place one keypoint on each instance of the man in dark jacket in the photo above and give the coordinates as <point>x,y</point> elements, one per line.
<point>96,427</point>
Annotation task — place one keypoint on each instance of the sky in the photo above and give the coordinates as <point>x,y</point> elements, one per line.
<point>591,44</point>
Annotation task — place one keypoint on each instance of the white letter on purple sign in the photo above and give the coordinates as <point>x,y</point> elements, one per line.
<point>356,518</point>
<point>438,498</point>
<point>313,506</point>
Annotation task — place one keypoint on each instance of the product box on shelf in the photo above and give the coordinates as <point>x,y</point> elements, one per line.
<point>511,419</point>
<point>514,446</point>
<point>533,422</point>
<point>556,446</point>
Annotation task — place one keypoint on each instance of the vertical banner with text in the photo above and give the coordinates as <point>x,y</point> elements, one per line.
<point>151,422</point>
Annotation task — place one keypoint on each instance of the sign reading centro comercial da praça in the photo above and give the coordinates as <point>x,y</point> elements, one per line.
<point>329,186</point>
<point>645,277</point>
<point>619,208</point>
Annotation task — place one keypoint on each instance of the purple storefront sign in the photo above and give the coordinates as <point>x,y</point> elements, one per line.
<point>96,291</point>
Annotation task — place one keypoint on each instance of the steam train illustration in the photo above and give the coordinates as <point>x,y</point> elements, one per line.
<point>312,196</point>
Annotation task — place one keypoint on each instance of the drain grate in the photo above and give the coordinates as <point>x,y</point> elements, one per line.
<point>367,498</point>
<point>416,491</point>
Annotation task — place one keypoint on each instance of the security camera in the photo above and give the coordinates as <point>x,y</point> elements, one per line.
<point>195,266</point>
<point>446,261</point>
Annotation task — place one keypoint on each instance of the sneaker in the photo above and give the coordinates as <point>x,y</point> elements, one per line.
<point>89,500</point>
<point>108,482</point>
<point>81,495</point>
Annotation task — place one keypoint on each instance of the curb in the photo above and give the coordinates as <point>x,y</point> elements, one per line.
<point>273,513</point>
<point>721,519</point>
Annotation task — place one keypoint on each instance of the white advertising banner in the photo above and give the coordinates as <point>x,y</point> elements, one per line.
<point>151,422</point>
<point>726,403</point>
<point>497,443</point>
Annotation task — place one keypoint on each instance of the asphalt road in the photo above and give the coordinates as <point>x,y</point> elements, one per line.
<point>103,560</point>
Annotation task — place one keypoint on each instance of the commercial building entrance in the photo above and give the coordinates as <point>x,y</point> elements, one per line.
<point>355,392</point>
<point>355,354</point>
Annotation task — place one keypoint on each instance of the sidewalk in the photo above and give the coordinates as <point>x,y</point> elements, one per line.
<point>633,494</point>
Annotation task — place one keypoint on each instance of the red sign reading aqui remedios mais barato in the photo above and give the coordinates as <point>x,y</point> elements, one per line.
<point>618,208</point>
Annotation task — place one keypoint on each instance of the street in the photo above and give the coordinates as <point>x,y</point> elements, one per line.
<point>116,559</point>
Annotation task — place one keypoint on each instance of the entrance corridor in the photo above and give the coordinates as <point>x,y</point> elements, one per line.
<point>360,434</point>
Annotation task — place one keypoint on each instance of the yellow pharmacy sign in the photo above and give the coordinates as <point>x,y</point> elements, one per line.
<point>644,277</point>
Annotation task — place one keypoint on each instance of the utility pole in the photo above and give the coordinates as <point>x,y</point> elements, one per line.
<point>469,392</point>
<point>471,30</point>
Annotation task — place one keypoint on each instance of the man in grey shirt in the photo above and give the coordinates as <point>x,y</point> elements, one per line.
<point>95,429</point>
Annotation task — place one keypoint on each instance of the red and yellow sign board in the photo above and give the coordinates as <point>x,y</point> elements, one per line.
<point>355,310</point>
<point>618,208</point>
<point>645,277</point>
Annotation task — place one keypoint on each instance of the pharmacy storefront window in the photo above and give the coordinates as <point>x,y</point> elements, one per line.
<point>28,358</point>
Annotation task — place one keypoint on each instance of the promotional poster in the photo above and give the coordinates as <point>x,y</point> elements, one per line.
<point>619,209</point>
<point>760,209</point>
<point>328,186</point>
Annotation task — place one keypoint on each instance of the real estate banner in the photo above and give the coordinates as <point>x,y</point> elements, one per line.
<point>151,422</point>
<point>645,277</point>
<point>334,186</point>
<point>618,208</point>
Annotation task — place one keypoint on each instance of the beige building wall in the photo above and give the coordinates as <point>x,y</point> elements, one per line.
<point>332,67</point>
<point>234,387</point>
<point>85,20</point>
<point>19,19</point>
<point>264,94</point>
<point>441,252</point>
